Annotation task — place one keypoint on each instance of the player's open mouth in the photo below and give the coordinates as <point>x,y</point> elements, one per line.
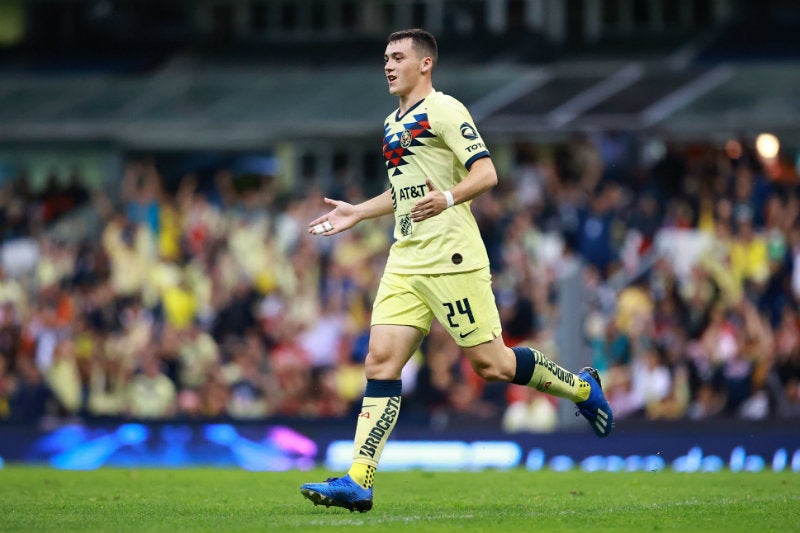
<point>391,78</point>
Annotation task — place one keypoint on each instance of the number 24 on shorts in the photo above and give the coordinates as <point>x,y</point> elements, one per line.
<point>460,306</point>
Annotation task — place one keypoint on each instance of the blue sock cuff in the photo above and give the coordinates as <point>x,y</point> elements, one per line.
<point>383,388</point>
<point>525,364</point>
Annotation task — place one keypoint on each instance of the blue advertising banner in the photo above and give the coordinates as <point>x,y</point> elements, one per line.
<point>303,445</point>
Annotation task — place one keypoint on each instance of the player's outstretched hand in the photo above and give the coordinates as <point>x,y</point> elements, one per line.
<point>430,205</point>
<point>342,217</point>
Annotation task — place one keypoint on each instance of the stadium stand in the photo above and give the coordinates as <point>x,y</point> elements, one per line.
<point>173,257</point>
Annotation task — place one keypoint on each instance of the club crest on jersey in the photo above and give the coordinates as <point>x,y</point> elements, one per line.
<point>398,145</point>
<point>406,138</point>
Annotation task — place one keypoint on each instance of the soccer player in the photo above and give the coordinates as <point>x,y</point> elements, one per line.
<point>437,267</point>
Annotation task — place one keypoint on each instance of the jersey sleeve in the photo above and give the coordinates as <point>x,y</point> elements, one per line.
<point>457,129</point>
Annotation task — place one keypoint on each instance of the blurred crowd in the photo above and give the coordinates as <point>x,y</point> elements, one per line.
<point>204,297</point>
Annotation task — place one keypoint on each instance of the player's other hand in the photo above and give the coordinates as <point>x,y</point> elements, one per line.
<point>342,217</point>
<point>430,205</point>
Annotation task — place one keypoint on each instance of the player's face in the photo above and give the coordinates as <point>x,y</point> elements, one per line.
<point>403,67</point>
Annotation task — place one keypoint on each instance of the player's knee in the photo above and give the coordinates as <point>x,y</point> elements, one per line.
<point>380,365</point>
<point>487,370</point>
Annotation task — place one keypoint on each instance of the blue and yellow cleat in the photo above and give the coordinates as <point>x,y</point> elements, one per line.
<point>595,408</point>
<point>339,492</point>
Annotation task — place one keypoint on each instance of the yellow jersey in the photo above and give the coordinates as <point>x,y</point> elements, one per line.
<point>435,139</point>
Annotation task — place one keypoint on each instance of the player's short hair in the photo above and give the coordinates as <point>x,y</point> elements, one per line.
<point>423,42</point>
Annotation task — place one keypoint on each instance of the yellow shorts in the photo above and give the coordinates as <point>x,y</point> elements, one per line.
<point>462,302</point>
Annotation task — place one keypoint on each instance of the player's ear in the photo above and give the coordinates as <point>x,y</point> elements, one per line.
<point>427,64</point>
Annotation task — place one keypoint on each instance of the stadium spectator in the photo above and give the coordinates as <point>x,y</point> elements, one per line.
<point>64,378</point>
<point>30,398</point>
<point>723,308</point>
<point>150,393</point>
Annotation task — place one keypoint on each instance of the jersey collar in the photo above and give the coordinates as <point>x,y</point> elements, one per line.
<point>398,116</point>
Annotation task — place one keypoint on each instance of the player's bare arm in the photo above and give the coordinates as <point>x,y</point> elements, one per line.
<point>345,215</point>
<point>482,176</point>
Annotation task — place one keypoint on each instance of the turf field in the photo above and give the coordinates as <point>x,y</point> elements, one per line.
<point>41,499</point>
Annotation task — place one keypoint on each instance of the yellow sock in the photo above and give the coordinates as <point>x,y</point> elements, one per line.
<point>379,411</point>
<point>550,378</point>
<point>362,474</point>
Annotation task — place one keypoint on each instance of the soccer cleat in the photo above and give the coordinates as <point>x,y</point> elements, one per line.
<point>339,492</point>
<point>595,408</point>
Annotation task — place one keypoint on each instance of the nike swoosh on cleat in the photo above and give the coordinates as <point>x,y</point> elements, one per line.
<point>463,335</point>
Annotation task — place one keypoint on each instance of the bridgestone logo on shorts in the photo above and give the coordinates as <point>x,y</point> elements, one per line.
<point>383,424</point>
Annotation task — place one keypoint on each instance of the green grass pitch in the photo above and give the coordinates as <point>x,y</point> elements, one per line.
<point>219,500</point>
